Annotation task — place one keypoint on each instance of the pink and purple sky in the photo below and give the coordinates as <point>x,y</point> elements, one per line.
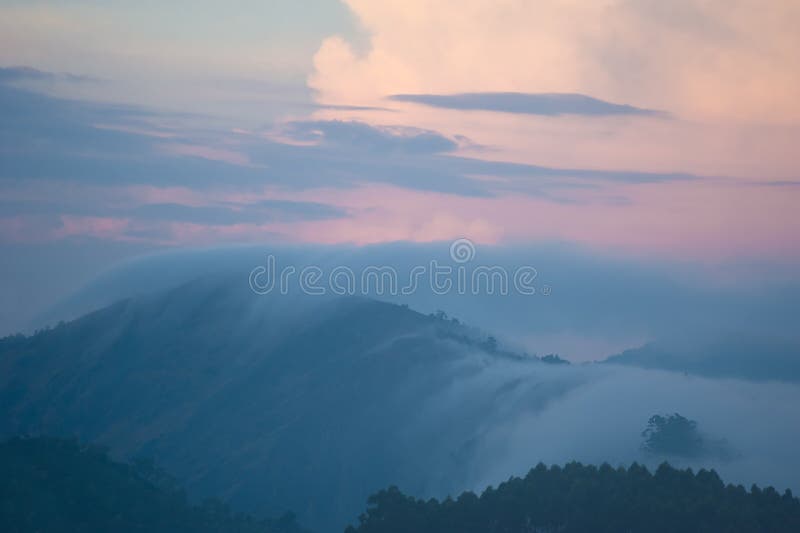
<point>649,128</point>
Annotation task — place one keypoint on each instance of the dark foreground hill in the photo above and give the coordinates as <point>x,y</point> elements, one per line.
<point>273,404</point>
<point>581,499</point>
<point>52,485</point>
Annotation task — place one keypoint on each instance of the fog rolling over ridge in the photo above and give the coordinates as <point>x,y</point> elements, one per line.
<point>588,305</point>
<point>311,403</point>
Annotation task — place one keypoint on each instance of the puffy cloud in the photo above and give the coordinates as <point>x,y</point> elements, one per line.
<point>698,59</point>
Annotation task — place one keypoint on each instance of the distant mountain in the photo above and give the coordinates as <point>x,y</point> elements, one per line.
<point>274,403</point>
<point>579,499</point>
<point>54,486</point>
<point>757,360</point>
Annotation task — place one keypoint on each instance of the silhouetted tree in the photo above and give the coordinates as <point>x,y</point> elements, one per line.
<point>673,435</point>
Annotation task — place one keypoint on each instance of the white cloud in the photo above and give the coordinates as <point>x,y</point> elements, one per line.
<point>715,59</point>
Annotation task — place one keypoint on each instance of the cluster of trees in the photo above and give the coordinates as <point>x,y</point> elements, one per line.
<point>53,485</point>
<point>578,498</point>
<point>672,434</point>
<point>676,436</point>
<point>454,329</point>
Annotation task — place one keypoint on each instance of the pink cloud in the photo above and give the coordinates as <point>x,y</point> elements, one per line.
<point>100,227</point>
<point>705,221</point>
<point>207,152</point>
<point>147,132</point>
<point>149,194</point>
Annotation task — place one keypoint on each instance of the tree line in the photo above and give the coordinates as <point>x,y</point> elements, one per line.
<point>581,498</point>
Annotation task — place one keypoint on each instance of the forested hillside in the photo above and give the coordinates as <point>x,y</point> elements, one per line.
<point>272,404</point>
<point>581,499</point>
<point>52,486</point>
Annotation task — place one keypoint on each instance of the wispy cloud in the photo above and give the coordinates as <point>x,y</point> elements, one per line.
<point>359,135</point>
<point>18,74</point>
<point>362,181</point>
<point>549,104</point>
<point>49,138</point>
<point>260,212</point>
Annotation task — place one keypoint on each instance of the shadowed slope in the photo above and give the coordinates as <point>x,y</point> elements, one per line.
<point>274,403</point>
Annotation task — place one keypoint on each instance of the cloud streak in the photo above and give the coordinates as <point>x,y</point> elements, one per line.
<point>19,74</point>
<point>376,139</point>
<point>548,104</point>
<point>225,215</point>
<point>54,139</point>
<point>351,180</point>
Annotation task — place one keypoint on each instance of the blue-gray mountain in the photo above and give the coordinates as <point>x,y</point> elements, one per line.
<point>274,404</point>
<point>311,404</point>
<point>737,357</point>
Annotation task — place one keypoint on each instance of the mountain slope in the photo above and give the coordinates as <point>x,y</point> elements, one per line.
<point>59,486</point>
<point>272,403</point>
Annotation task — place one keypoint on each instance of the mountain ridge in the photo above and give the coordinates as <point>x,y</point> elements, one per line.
<point>293,403</point>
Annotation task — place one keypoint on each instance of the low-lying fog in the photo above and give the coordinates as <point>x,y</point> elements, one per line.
<point>586,307</point>
<point>596,414</point>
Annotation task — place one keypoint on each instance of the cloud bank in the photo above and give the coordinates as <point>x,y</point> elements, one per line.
<point>696,59</point>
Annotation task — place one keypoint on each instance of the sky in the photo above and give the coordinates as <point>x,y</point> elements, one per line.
<point>650,129</point>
